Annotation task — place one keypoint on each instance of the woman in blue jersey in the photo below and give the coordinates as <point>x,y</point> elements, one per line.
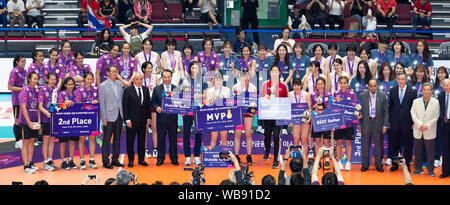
<point>386,78</point>
<point>418,78</point>
<point>359,84</point>
<point>401,56</point>
<point>422,56</point>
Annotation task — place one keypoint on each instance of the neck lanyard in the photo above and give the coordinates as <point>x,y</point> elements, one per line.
<point>331,63</point>
<point>242,87</point>
<point>207,61</point>
<point>398,59</point>
<point>350,67</point>
<point>419,89</point>
<point>362,85</point>
<point>173,62</point>
<point>261,66</point>
<point>313,82</point>
<point>419,59</point>
<point>227,62</point>
<point>299,97</point>
<point>33,99</point>
<point>125,63</point>
<point>297,62</point>
<point>336,81</point>
<point>145,56</point>
<point>52,69</point>
<point>69,96</point>
<point>245,63</point>
<point>149,82</point>
<point>386,86</point>
<point>66,62</point>
<point>379,56</point>
<point>89,94</point>
<point>281,65</point>
<point>269,86</point>
<point>372,100</point>
<point>220,92</point>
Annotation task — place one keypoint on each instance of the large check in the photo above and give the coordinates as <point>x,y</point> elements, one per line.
<point>218,117</point>
<point>176,103</point>
<point>330,118</point>
<point>274,109</point>
<point>80,119</point>
<point>297,110</point>
<point>349,107</point>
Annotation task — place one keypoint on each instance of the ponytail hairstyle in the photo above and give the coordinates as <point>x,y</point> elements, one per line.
<point>17,59</point>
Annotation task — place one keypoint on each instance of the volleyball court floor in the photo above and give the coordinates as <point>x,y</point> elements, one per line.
<point>11,166</point>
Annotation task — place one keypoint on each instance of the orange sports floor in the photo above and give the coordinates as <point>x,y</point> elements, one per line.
<point>168,173</point>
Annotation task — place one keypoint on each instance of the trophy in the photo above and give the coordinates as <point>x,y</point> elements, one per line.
<point>252,108</point>
<point>273,89</point>
<point>320,103</point>
<point>305,116</point>
<point>357,110</point>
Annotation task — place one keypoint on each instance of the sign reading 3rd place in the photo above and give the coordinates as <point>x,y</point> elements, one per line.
<point>77,120</point>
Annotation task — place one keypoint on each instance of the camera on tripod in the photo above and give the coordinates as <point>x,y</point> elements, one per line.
<point>247,176</point>
<point>197,173</point>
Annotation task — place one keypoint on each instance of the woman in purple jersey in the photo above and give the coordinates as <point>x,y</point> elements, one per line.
<point>104,62</point>
<point>77,71</point>
<point>29,121</point>
<point>87,93</point>
<point>17,80</point>
<point>126,64</point>
<point>66,58</point>
<point>38,66</point>
<point>67,96</point>
<point>47,95</point>
<point>51,66</point>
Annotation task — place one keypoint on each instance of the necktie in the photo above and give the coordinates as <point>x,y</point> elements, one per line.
<point>140,95</point>
<point>401,95</point>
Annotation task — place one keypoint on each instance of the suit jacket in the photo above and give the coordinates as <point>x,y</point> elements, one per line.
<point>441,98</point>
<point>157,100</point>
<point>401,113</point>
<point>428,117</point>
<point>110,101</point>
<point>381,116</point>
<point>132,108</point>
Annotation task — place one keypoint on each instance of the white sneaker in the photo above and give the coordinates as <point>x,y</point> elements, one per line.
<point>340,165</point>
<point>18,144</point>
<point>348,166</point>
<point>243,131</point>
<point>284,132</point>
<point>311,154</point>
<point>48,167</point>
<point>437,163</point>
<point>197,161</point>
<point>147,154</point>
<point>231,131</point>
<point>155,153</point>
<point>34,167</point>
<point>388,162</point>
<point>29,170</point>
<point>150,130</point>
<point>188,161</point>
<point>260,130</point>
<point>36,144</point>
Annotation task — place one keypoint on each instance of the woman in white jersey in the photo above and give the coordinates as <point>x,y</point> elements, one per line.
<point>171,60</point>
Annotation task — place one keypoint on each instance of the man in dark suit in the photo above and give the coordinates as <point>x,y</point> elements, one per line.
<point>373,122</point>
<point>166,123</point>
<point>136,113</point>
<point>110,98</point>
<point>400,103</point>
<point>444,102</point>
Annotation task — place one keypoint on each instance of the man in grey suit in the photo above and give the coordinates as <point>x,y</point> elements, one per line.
<point>110,97</point>
<point>373,122</point>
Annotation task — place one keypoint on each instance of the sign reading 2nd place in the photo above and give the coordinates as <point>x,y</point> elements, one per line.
<point>76,120</point>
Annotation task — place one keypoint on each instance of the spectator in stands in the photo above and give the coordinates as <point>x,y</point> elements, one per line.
<point>126,12</point>
<point>83,16</point>
<point>134,38</point>
<point>382,54</point>
<point>34,8</point>
<point>250,8</point>
<point>400,56</point>
<point>189,4</point>
<point>284,40</point>
<point>351,60</point>
<point>318,55</point>
<point>208,8</point>
<point>386,12</point>
<point>316,13</point>
<point>108,11</point>
<point>333,50</point>
<point>422,56</point>
<point>105,42</point>
<point>241,40</point>
<point>142,10</point>
<point>3,9</point>
<point>16,9</point>
<point>335,11</point>
<point>295,22</point>
<point>422,14</point>
<point>356,8</point>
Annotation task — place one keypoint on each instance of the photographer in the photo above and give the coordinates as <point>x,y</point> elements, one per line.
<point>296,168</point>
<point>237,170</point>
<point>329,178</point>
<point>124,177</point>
